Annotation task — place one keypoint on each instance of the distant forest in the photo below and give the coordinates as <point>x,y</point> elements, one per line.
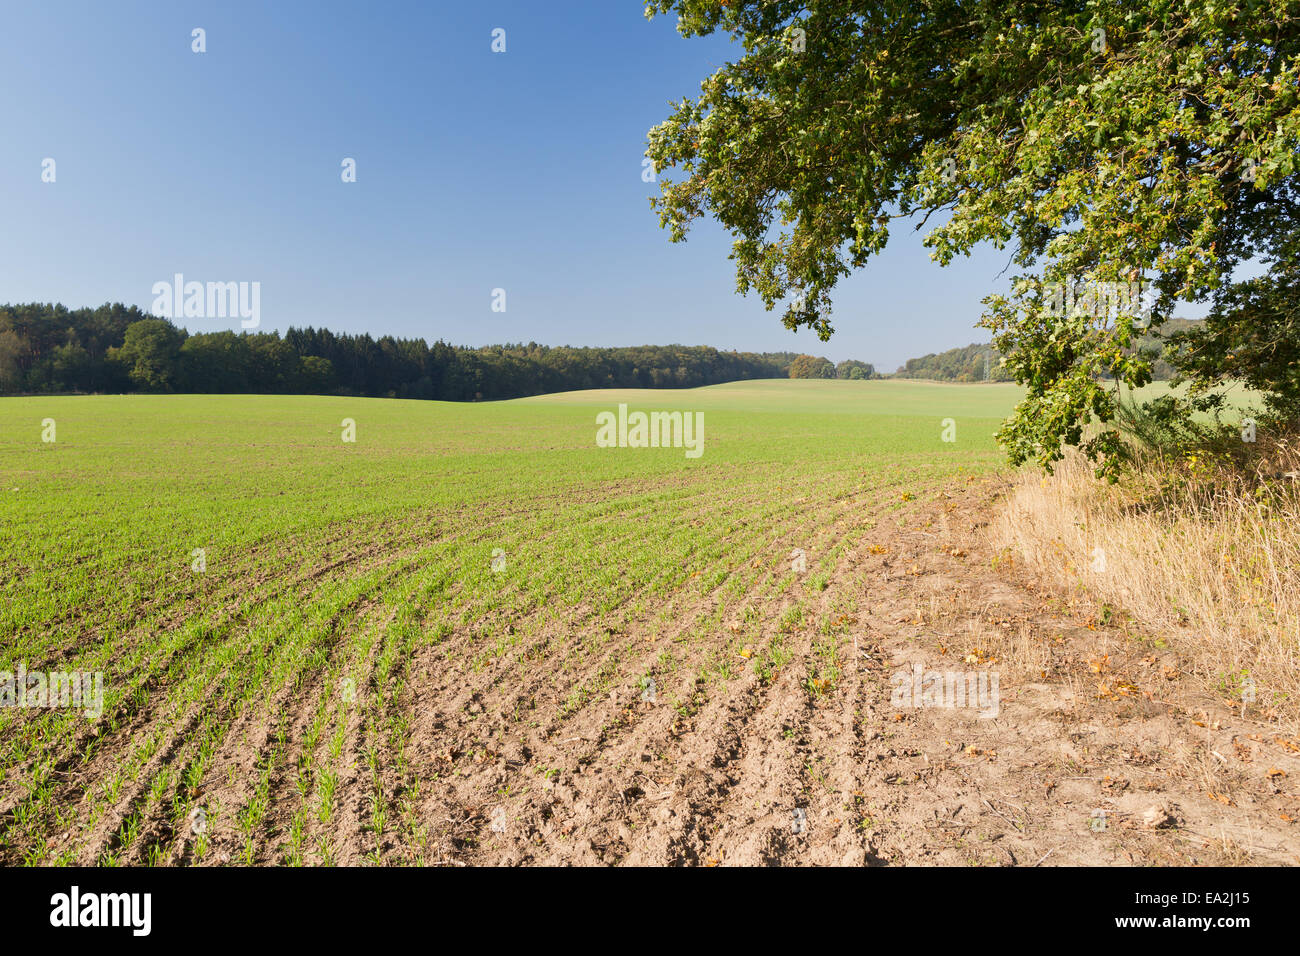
<point>48,348</point>
<point>967,364</point>
<point>956,365</point>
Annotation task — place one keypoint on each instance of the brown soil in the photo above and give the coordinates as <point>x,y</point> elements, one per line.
<point>1102,751</point>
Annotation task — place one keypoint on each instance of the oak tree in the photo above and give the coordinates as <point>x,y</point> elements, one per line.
<point>1147,144</point>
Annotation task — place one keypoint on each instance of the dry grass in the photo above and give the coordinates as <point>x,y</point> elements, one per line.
<point>1203,555</point>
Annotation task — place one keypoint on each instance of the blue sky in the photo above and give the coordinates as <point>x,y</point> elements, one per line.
<point>475,171</point>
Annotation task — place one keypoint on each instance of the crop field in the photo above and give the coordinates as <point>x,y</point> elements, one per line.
<point>356,631</point>
<point>315,650</point>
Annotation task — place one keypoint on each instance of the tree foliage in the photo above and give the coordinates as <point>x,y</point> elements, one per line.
<point>812,366</point>
<point>1152,141</point>
<point>855,370</point>
<point>148,352</point>
<point>115,348</point>
<point>957,365</point>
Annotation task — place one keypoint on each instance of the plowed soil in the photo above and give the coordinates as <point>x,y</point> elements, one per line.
<point>1102,751</point>
<point>362,699</point>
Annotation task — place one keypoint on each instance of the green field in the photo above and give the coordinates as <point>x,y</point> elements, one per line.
<point>329,562</point>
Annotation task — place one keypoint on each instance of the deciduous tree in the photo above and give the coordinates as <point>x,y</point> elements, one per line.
<point>1147,141</point>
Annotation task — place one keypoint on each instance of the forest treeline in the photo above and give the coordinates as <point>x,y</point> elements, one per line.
<point>967,364</point>
<point>116,348</point>
<point>47,348</point>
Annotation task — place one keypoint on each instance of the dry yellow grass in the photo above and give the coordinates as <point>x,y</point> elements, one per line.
<point>1207,558</point>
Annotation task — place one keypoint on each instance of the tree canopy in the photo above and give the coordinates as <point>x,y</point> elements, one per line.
<point>1144,147</point>
<point>973,363</point>
<point>115,348</point>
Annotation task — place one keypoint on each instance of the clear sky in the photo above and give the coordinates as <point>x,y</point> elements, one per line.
<point>475,171</point>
